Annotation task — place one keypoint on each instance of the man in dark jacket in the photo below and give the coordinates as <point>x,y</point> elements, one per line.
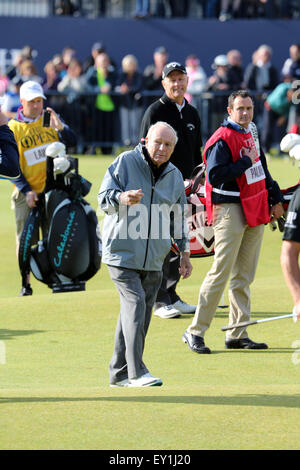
<point>174,109</point>
<point>9,156</point>
<point>261,75</point>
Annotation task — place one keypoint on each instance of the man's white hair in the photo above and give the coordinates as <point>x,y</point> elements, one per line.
<point>165,124</point>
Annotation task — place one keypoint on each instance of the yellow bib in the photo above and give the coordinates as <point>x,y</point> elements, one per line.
<point>32,139</point>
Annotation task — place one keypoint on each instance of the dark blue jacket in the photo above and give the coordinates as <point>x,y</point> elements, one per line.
<point>9,155</point>
<point>222,171</point>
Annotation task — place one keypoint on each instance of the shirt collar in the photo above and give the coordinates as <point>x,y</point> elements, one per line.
<point>237,127</point>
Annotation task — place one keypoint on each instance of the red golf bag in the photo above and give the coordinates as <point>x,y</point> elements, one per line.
<point>202,240</point>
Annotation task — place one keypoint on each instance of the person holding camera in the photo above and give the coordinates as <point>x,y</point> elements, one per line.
<point>33,134</point>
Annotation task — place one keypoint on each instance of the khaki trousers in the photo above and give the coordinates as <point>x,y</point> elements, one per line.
<point>237,248</point>
<point>22,211</point>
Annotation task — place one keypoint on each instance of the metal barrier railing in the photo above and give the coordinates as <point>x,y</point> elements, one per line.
<point>98,129</point>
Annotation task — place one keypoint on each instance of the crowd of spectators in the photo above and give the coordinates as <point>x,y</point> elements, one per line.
<point>104,101</point>
<point>221,9</point>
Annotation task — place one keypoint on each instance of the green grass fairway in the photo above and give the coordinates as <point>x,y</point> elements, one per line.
<point>55,350</point>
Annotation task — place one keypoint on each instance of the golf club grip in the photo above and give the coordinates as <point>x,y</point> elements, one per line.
<point>238,325</point>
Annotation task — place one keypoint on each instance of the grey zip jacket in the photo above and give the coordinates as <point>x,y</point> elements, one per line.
<point>140,236</point>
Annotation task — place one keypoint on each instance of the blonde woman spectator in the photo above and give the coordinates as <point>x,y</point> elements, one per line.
<point>28,71</point>
<point>129,85</point>
<point>197,78</point>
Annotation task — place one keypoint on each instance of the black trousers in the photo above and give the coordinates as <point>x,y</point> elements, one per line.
<point>167,293</point>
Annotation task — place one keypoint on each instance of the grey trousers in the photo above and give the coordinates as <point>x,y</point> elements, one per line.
<point>138,290</point>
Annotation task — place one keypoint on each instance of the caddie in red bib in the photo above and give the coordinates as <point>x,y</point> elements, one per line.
<point>251,183</point>
<point>241,197</point>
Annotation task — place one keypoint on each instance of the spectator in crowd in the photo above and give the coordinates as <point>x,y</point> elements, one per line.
<point>73,84</point>
<point>59,65</point>
<point>26,53</point>
<point>294,70</point>
<point>28,71</point>
<point>294,118</point>
<point>173,108</point>
<point>135,262</point>
<point>229,9</point>
<point>235,69</point>
<point>102,80</point>
<point>49,84</point>
<point>261,75</point>
<point>294,56</point>
<point>101,6</point>
<point>239,204</point>
<point>51,77</point>
<point>66,8</point>
<point>210,8</point>
<point>27,127</point>
<point>129,85</point>
<point>219,83</point>
<point>11,99</point>
<point>153,74</point>
<point>179,8</point>
<point>287,9</point>
<point>97,48</point>
<point>276,112</point>
<point>197,79</point>
<point>4,82</point>
<point>219,80</point>
<point>142,9</point>
<point>67,54</point>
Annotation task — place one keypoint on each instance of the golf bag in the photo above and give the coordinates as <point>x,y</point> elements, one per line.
<point>201,235</point>
<point>202,239</point>
<point>287,196</point>
<point>68,253</point>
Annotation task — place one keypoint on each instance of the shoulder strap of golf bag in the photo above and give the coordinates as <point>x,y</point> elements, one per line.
<point>201,235</point>
<point>196,179</point>
<point>29,235</point>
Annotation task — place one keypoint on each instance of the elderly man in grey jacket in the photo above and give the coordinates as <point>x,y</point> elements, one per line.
<point>143,196</point>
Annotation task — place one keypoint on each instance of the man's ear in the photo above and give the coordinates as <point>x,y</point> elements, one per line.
<point>229,110</point>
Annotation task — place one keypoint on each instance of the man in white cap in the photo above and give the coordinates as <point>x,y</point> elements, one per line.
<point>32,140</point>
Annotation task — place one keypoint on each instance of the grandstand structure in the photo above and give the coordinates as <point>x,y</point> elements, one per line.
<point>126,8</point>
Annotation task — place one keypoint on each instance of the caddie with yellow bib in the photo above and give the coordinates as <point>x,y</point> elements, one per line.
<point>32,139</point>
<point>241,197</point>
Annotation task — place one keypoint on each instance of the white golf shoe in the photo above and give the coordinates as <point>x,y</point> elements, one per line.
<point>183,307</point>
<point>146,380</point>
<point>120,383</point>
<point>168,311</point>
